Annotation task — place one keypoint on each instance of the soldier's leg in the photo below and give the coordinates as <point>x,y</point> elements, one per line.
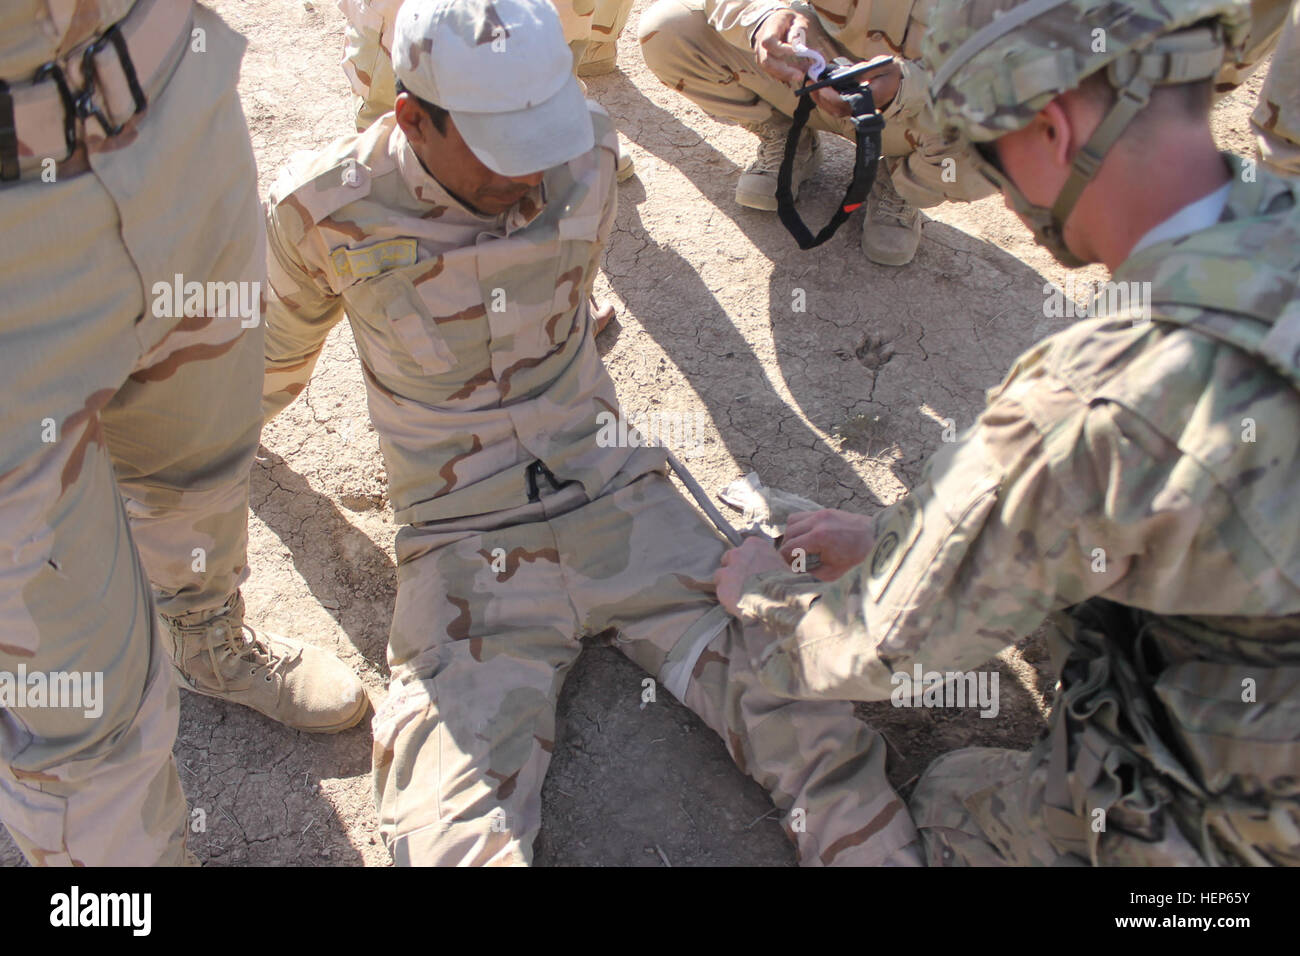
<point>691,57</point>
<point>607,23</point>
<point>94,784</point>
<point>482,637</point>
<point>973,808</point>
<point>640,558</point>
<point>183,428</point>
<point>368,57</point>
<point>1276,119</point>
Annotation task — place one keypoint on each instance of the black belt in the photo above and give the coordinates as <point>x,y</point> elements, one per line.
<point>539,469</point>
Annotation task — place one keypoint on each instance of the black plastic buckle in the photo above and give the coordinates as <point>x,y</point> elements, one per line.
<point>53,70</point>
<point>86,109</point>
<point>8,136</point>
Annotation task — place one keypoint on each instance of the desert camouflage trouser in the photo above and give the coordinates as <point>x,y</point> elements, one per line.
<point>591,28</point>
<point>479,654</point>
<point>689,55</point>
<point>125,450</point>
<point>1276,119</point>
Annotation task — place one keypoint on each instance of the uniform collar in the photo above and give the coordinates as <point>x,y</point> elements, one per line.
<point>425,189</point>
<point>1250,190</point>
<point>1195,216</point>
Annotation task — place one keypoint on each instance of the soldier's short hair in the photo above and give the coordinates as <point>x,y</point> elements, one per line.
<point>436,113</point>
<point>1184,101</point>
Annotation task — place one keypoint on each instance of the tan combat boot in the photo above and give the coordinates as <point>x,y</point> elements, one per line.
<point>891,230</point>
<point>598,59</point>
<point>756,187</point>
<point>300,686</point>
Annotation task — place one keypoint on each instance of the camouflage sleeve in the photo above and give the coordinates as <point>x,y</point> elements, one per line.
<point>1006,525</point>
<point>300,312</point>
<point>607,137</point>
<point>736,20</point>
<point>368,57</point>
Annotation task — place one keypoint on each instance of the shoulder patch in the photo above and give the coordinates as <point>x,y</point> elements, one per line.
<point>896,531</point>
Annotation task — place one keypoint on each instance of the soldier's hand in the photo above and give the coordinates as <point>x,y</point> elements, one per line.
<point>754,556</point>
<point>841,539</point>
<point>773,46</point>
<point>884,83</point>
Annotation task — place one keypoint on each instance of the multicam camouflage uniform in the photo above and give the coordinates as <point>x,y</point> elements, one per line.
<point>1140,474</point>
<point>1276,119</point>
<point>591,28</point>
<point>525,530</point>
<point>105,396</point>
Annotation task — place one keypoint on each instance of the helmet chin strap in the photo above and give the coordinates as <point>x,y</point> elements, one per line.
<point>1193,55</point>
<point>1049,224</point>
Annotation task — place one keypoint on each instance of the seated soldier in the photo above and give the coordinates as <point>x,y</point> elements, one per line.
<point>461,234</point>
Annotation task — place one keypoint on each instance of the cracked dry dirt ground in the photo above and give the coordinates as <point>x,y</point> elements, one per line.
<point>842,402</point>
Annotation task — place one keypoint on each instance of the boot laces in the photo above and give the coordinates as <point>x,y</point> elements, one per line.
<point>772,138</point>
<point>889,205</point>
<point>251,650</point>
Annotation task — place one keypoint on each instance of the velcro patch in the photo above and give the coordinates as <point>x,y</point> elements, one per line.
<point>370,261</point>
<point>893,541</point>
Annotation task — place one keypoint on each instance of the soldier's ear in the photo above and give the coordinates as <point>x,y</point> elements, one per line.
<point>1060,128</point>
<point>413,120</point>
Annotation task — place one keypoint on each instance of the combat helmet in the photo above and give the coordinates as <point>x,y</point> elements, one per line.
<point>995,69</point>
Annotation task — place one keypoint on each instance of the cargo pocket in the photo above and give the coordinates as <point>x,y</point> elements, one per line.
<point>412,324</point>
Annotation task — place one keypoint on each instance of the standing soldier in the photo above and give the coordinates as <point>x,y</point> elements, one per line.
<point>460,234</point>
<point>132,262</point>
<point>591,28</point>
<point>735,59</point>
<point>1132,481</point>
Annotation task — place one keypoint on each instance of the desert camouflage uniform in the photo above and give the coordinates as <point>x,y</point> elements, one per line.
<point>104,397</point>
<point>1276,119</point>
<point>1267,18</point>
<point>591,28</point>
<point>1142,474</point>
<point>525,529</point>
<point>701,48</point>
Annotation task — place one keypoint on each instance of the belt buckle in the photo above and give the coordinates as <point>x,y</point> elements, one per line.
<point>84,105</point>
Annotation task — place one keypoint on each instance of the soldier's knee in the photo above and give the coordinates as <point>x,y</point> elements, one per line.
<point>663,29</point>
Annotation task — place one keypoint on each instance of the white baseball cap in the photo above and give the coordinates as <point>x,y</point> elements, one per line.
<point>503,71</point>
